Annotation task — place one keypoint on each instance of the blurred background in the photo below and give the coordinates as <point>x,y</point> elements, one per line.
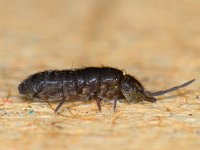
<point>157,41</point>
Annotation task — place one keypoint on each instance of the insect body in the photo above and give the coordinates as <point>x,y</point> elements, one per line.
<point>91,83</point>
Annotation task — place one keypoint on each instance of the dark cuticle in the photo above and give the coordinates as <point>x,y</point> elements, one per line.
<point>90,83</point>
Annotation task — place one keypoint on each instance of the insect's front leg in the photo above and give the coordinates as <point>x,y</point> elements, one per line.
<point>114,104</point>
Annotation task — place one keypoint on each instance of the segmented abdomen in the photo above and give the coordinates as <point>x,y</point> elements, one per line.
<point>80,84</point>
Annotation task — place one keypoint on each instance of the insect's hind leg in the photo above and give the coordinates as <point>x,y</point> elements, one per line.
<point>60,104</point>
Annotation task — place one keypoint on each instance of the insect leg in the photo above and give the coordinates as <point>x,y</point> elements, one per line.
<point>60,104</point>
<point>62,100</point>
<point>99,104</point>
<point>114,105</point>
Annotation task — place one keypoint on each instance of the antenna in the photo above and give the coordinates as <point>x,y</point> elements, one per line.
<point>158,93</point>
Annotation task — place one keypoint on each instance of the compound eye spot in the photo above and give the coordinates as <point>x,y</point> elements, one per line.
<point>127,88</point>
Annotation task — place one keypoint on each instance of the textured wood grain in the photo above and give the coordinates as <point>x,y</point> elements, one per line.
<point>156,41</point>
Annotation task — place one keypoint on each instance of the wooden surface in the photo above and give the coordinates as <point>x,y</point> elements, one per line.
<point>156,40</point>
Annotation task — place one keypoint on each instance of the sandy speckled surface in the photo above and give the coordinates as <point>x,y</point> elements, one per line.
<point>156,41</point>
